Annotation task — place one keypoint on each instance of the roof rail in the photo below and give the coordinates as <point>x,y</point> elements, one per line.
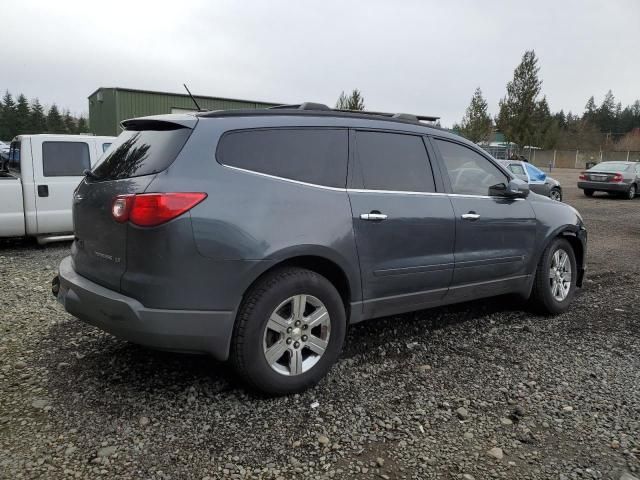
<point>322,107</point>
<point>302,106</point>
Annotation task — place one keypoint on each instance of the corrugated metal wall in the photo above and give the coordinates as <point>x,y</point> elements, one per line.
<point>102,112</point>
<point>120,104</point>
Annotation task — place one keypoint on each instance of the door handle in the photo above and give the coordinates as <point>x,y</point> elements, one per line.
<point>373,216</point>
<point>471,216</point>
<point>43,190</point>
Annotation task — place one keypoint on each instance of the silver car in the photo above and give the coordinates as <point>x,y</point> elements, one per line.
<point>539,182</point>
<point>621,178</point>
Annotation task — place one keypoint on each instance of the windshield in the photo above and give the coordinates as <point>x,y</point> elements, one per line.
<point>610,167</point>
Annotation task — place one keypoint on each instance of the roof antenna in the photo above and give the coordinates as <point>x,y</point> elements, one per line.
<point>194,100</point>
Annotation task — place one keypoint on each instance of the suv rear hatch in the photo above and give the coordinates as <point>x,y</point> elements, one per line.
<point>146,147</point>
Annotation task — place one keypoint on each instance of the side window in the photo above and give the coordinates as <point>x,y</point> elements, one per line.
<point>65,159</point>
<point>105,146</point>
<point>14,158</point>
<point>311,155</point>
<point>392,161</point>
<point>470,173</point>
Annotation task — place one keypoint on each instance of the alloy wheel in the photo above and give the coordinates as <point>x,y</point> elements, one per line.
<point>560,275</point>
<point>296,335</point>
<point>555,195</point>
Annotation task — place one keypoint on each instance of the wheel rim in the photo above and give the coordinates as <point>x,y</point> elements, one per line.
<point>560,275</point>
<point>555,195</point>
<point>632,192</point>
<point>296,335</point>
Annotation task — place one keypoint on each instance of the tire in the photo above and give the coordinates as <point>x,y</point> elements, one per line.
<point>542,296</point>
<point>631,194</point>
<point>555,194</point>
<point>588,193</point>
<point>256,334</point>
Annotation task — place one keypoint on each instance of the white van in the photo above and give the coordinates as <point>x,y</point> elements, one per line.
<point>37,183</point>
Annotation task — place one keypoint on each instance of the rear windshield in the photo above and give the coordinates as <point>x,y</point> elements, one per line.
<point>610,167</point>
<point>141,152</point>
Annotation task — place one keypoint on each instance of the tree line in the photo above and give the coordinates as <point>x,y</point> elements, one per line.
<point>525,119</point>
<point>21,116</point>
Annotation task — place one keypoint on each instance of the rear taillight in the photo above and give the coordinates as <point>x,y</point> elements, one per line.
<point>582,176</point>
<point>617,178</point>
<point>151,209</point>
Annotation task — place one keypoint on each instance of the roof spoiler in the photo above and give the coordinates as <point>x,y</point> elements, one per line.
<point>160,122</point>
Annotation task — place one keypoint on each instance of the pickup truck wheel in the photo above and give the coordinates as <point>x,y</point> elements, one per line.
<point>289,332</point>
<point>555,282</point>
<point>588,193</point>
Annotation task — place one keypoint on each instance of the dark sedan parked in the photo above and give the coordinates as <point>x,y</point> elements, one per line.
<point>622,178</point>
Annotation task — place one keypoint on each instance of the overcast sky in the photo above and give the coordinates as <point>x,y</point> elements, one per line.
<point>422,57</point>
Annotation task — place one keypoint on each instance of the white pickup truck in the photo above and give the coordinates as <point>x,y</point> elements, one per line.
<point>37,183</point>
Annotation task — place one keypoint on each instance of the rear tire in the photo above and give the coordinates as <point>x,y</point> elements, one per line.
<point>555,282</point>
<point>289,331</point>
<point>631,194</point>
<point>588,193</point>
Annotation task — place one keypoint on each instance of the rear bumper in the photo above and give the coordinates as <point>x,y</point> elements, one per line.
<point>604,186</point>
<point>194,331</point>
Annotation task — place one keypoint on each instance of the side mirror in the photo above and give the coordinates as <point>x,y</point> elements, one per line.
<point>516,188</point>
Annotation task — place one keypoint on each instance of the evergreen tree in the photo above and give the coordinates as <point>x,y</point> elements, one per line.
<point>561,118</point>
<point>476,124</point>
<point>22,115</point>
<point>545,126</point>
<point>82,127</point>
<point>606,113</point>
<point>355,101</point>
<point>69,122</point>
<point>590,110</point>
<point>515,117</point>
<point>54,121</point>
<point>37,118</point>
<point>8,128</point>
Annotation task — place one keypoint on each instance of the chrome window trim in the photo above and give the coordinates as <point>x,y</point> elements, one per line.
<point>358,190</point>
<point>290,180</point>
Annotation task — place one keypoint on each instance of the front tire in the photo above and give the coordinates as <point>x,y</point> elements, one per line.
<point>588,193</point>
<point>555,282</point>
<point>555,194</point>
<point>289,332</point>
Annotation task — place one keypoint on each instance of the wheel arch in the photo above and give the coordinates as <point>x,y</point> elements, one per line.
<point>322,261</point>
<point>572,234</point>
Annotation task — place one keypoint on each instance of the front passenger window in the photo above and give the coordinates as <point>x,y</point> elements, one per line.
<point>469,172</point>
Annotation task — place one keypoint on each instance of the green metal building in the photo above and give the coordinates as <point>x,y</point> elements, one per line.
<point>109,106</point>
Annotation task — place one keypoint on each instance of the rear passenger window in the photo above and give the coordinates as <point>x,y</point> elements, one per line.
<point>310,155</point>
<point>470,173</point>
<point>65,159</point>
<point>392,161</point>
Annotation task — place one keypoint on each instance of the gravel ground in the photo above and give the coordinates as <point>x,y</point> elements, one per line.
<point>478,390</point>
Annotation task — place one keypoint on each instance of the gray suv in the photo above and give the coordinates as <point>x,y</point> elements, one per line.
<point>259,236</point>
